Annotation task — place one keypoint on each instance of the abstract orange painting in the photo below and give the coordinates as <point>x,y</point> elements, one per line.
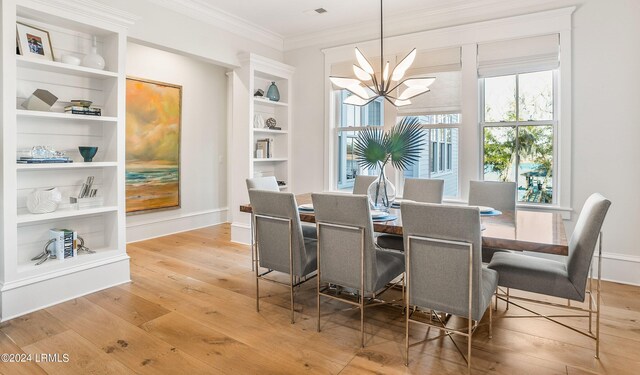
<point>153,145</point>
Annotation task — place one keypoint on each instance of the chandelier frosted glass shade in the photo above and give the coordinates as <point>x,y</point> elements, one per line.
<point>367,86</point>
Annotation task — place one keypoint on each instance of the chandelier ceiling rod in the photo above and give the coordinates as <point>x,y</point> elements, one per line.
<point>364,93</point>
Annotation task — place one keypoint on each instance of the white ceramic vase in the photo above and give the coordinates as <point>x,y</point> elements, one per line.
<point>93,60</point>
<point>42,201</point>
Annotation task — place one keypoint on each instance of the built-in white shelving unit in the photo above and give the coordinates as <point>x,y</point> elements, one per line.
<point>258,72</point>
<point>24,286</point>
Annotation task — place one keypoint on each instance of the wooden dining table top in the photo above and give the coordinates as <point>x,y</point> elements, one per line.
<point>519,230</point>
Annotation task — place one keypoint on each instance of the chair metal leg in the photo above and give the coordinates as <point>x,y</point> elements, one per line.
<point>291,276</point>
<point>252,245</point>
<point>362,321</point>
<point>507,308</point>
<point>490,321</point>
<point>406,333</point>
<point>318,277</point>
<point>598,286</point>
<point>255,262</point>
<point>292,302</point>
<point>469,348</point>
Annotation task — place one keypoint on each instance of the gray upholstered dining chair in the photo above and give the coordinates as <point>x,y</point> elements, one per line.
<point>362,183</point>
<point>347,254</point>
<point>444,267</point>
<point>270,183</point>
<point>423,190</point>
<point>564,279</point>
<point>263,183</point>
<point>280,245</point>
<point>498,195</point>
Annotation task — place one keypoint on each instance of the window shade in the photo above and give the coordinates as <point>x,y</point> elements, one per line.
<point>523,55</point>
<point>444,97</point>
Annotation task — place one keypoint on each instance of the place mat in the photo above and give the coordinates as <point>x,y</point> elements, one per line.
<point>378,214</point>
<point>385,218</point>
<point>306,207</point>
<point>491,213</point>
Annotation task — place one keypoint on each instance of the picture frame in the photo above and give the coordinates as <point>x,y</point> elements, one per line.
<point>33,43</point>
<point>152,165</point>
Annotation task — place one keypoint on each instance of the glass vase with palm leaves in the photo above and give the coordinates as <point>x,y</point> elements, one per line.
<point>400,146</point>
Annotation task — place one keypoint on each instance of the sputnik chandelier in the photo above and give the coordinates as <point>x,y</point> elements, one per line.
<point>368,86</point>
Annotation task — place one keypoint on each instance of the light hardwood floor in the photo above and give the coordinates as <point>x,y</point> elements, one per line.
<point>190,309</point>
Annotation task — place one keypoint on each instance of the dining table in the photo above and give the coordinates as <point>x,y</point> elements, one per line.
<point>519,230</point>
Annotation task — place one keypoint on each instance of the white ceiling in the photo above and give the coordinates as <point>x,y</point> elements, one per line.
<point>290,18</point>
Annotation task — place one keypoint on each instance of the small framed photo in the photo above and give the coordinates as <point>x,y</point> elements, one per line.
<point>33,43</point>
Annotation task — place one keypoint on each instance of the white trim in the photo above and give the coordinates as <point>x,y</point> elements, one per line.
<point>202,11</point>
<point>165,226</point>
<point>620,268</point>
<point>450,11</point>
<point>13,299</point>
<point>64,272</point>
<point>177,217</point>
<point>91,9</point>
<point>241,233</point>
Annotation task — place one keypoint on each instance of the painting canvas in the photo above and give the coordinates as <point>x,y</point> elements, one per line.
<point>153,145</point>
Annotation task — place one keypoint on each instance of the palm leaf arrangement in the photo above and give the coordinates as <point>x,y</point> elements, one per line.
<point>401,146</point>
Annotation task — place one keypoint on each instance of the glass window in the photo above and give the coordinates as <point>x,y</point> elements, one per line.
<point>522,151</point>
<point>352,119</point>
<point>439,158</point>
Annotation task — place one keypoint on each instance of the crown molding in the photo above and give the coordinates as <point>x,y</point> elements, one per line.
<point>93,10</point>
<point>201,11</point>
<point>450,14</point>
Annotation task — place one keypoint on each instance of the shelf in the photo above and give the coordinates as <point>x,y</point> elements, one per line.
<point>270,160</point>
<point>26,217</point>
<point>54,265</point>
<point>78,165</point>
<point>269,131</point>
<point>269,102</point>
<point>65,116</point>
<point>58,67</point>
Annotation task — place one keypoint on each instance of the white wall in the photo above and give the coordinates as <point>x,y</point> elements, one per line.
<point>203,169</point>
<point>606,109</point>
<point>308,119</point>
<point>173,31</point>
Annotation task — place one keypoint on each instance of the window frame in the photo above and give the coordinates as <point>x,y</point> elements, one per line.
<point>446,127</point>
<point>554,122</point>
<point>338,97</point>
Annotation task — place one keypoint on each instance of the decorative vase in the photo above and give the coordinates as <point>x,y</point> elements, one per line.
<point>381,193</point>
<point>272,93</point>
<point>42,201</point>
<point>93,60</point>
<point>88,152</point>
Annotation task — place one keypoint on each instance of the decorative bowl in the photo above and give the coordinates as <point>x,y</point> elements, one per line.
<point>88,152</point>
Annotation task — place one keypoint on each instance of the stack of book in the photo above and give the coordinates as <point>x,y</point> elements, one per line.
<point>80,110</point>
<point>264,148</point>
<point>32,160</point>
<point>66,245</point>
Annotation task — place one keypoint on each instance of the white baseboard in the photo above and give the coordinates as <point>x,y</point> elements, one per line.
<point>163,226</point>
<point>241,233</point>
<point>24,298</point>
<point>620,268</point>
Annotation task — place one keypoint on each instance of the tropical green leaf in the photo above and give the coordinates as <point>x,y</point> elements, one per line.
<point>369,148</point>
<point>404,142</point>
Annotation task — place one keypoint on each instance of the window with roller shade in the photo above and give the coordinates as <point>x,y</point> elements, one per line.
<point>518,118</point>
<point>440,117</point>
